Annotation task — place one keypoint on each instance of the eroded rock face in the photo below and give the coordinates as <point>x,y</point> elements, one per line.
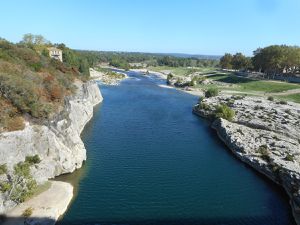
<point>263,134</point>
<point>57,143</point>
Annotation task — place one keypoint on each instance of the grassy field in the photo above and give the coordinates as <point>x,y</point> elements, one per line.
<point>251,85</point>
<point>236,84</point>
<point>181,71</point>
<point>292,97</point>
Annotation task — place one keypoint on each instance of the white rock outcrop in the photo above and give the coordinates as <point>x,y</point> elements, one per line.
<point>57,142</point>
<point>265,135</point>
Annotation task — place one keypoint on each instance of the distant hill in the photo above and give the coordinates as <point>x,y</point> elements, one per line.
<point>177,55</point>
<point>183,55</point>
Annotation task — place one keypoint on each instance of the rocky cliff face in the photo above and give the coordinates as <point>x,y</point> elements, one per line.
<point>57,142</point>
<point>265,135</point>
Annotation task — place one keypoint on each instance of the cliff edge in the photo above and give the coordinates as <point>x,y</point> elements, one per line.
<point>56,142</point>
<point>264,134</point>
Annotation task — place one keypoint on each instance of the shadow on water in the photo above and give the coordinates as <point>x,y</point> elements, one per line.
<point>198,221</point>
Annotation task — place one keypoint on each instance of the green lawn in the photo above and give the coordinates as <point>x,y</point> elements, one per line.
<point>292,97</point>
<point>246,84</point>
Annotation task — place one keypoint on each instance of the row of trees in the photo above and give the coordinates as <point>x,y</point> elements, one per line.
<point>123,59</point>
<point>236,62</point>
<point>271,60</point>
<point>277,59</point>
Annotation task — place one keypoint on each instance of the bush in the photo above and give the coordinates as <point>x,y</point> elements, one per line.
<point>5,186</point>
<point>211,92</point>
<point>23,183</point>
<point>264,152</point>
<point>283,102</point>
<point>223,111</point>
<point>170,76</point>
<point>3,169</point>
<point>230,102</point>
<point>289,157</point>
<point>15,123</point>
<point>33,159</point>
<point>27,212</point>
<point>204,106</point>
<point>33,83</point>
<point>271,98</point>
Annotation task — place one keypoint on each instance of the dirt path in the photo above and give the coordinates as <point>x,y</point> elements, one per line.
<point>289,92</point>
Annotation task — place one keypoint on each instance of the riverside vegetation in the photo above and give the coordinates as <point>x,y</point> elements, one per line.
<point>33,84</point>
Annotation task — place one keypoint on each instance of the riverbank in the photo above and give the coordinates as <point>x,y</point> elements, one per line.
<point>264,134</point>
<point>59,147</point>
<point>273,148</point>
<point>146,72</point>
<point>45,208</point>
<point>107,77</point>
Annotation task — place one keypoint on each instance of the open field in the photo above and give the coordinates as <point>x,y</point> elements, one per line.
<point>246,84</point>
<point>233,84</point>
<point>292,97</point>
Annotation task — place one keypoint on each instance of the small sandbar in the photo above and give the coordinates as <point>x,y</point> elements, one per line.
<point>46,207</point>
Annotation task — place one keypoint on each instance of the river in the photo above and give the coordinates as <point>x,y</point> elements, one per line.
<point>151,161</point>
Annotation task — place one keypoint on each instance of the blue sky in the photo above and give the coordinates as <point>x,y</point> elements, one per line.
<point>181,26</point>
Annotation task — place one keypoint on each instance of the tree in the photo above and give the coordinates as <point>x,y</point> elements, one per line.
<point>226,61</point>
<point>40,40</point>
<point>277,59</point>
<point>84,66</point>
<point>28,39</point>
<point>239,61</point>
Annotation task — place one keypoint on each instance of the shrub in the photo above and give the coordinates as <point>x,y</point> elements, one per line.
<point>230,102</point>
<point>27,212</point>
<point>264,152</point>
<point>23,183</point>
<point>283,102</point>
<point>238,97</point>
<point>288,111</point>
<point>170,76</point>
<point>15,123</point>
<point>5,186</point>
<point>211,92</point>
<point>204,106</point>
<point>289,157</point>
<point>223,111</point>
<point>33,159</point>
<point>271,98</point>
<point>3,169</point>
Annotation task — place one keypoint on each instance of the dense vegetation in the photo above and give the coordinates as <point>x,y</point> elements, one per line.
<point>32,83</point>
<point>127,60</point>
<point>272,60</point>
<point>237,61</point>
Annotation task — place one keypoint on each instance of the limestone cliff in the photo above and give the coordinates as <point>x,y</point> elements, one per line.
<point>265,135</point>
<point>57,142</point>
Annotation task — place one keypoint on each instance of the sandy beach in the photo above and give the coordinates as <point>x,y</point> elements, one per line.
<point>46,207</point>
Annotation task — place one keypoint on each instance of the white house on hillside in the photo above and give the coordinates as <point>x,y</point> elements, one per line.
<point>55,53</point>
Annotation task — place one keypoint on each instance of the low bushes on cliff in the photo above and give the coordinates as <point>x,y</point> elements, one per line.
<point>3,169</point>
<point>20,185</point>
<point>225,112</point>
<point>31,83</point>
<point>211,92</point>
